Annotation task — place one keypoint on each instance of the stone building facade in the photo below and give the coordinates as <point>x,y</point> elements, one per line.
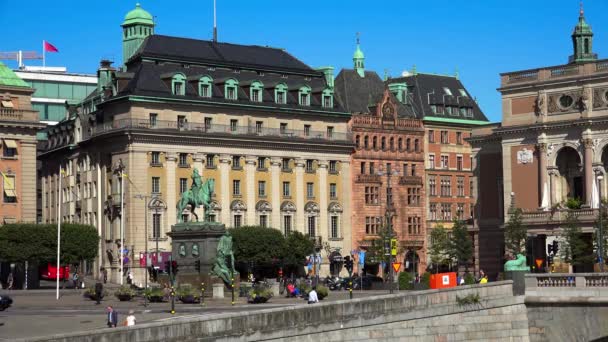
<point>18,126</point>
<point>257,120</point>
<point>550,147</point>
<point>388,142</point>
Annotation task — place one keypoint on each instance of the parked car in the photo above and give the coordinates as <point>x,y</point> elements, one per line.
<point>367,282</point>
<point>5,302</point>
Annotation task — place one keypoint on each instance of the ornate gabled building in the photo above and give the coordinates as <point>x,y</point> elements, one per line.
<point>388,164</point>
<point>550,147</point>
<point>257,120</point>
<point>18,126</point>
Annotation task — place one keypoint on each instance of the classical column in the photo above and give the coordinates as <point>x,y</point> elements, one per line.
<point>275,192</point>
<point>323,192</point>
<point>552,186</point>
<point>345,196</point>
<point>198,159</point>
<point>299,193</point>
<point>251,189</point>
<point>542,165</point>
<point>588,144</point>
<point>225,188</point>
<point>171,194</point>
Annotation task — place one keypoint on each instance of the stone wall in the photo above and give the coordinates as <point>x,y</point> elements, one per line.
<point>423,315</point>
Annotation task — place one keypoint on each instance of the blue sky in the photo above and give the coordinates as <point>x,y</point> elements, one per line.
<point>479,38</point>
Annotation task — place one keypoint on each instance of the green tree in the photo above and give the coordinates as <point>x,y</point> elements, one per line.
<point>298,248</point>
<point>573,247</point>
<point>515,232</point>
<point>376,252</point>
<point>438,250</point>
<point>460,247</point>
<point>257,244</point>
<point>596,236</point>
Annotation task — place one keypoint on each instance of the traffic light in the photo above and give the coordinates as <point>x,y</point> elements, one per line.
<point>168,267</point>
<point>550,248</point>
<point>174,267</point>
<point>197,265</point>
<point>555,247</point>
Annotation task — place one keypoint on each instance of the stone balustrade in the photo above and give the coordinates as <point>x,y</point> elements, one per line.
<point>10,114</point>
<point>555,72</point>
<point>566,284</point>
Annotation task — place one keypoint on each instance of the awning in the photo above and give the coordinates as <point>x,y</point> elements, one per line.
<point>10,193</point>
<point>7,104</point>
<point>10,143</point>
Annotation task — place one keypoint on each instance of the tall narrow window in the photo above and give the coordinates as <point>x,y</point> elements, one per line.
<point>262,188</point>
<point>328,97</point>
<point>178,84</point>
<point>333,193</point>
<point>306,130</point>
<point>459,163</point>
<point>210,161</point>
<point>183,185</point>
<point>431,161</point>
<point>258,127</point>
<point>155,185</point>
<point>236,187</point>
<point>204,86</point>
<point>334,228</point>
<point>304,96</point>
<point>280,93</point>
<point>153,119</point>
<point>330,132</point>
<point>312,226</point>
<point>208,123</point>
<point>287,224</point>
<point>230,88</point>
<point>9,190</point>
<point>286,189</point>
<point>310,192</point>
<point>155,159</point>
<point>233,125</point>
<point>283,128</point>
<point>156,226</point>
<point>256,91</point>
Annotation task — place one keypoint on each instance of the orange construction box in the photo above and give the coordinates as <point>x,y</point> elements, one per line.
<point>443,280</point>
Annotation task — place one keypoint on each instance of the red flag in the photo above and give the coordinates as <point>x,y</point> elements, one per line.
<point>48,47</point>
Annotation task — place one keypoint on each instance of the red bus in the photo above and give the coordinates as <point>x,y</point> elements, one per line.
<point>49,272</point>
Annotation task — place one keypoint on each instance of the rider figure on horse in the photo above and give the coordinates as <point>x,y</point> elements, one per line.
<point>197,184</point>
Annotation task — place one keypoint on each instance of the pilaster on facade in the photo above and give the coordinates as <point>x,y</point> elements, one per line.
<point>250,162</point>
<point>323,203</point>
<point>198,159</point>
<point>275,184</point>
<point>225,188</point>
<point>171,198</point>
<point>299,190</point>
<point>346,227</point>
<point>589,176</point>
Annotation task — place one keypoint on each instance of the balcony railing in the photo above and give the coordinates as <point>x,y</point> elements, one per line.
<point>557,216</point>
<point>219,129</point>
<point>376,121</point>
<point>368,179</point>
<point>556,72</point>
<point>410,180</point>
<point>11,114</point>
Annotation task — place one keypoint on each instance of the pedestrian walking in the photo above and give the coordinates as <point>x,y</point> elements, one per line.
<point>105,275</point>
<point>75,277</point>
<point>130,278</point>
<point>98,290</point>
<point>112,317</point>
<point>130,321</point>
<point>9,281</point>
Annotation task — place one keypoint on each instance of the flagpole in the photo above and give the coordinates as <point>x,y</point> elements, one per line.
<point>44,65</point>
<point>122,226</point>
<point>58,231</point>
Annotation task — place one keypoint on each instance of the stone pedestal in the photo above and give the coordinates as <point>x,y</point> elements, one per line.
<point>218,290</point>
<point>519,281</point>
<point>275,289</point>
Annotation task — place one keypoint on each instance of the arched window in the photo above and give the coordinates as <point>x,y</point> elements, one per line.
<point>205,86</point>
<point>416,145</point>
<point>375,143</point>
<point>178,84</point>
<point>391,144</point>
<point>327,98</point>
<point>280,93</point>
<point>357,140</point>
<point>366,142</point>
<point>255,91</point>
<point>231,89</point>
<point>407,144</point>
<point>586,45</point>
<point>400,144</point>
<point>304,96</point>
<point>383,143</point>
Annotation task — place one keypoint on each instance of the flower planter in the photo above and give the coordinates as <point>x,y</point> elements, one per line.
<point>124,297</point>
<point>156,299</point>
<point>190,299</point>
<point>258,300</point>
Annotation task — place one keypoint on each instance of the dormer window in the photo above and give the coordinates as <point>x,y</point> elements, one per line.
<point>204,86</point>
<point>447,91</point>
<point>327,98</point>
<point>255,91</point>
<point>463,93</point>
<point>304,96</point>
<point>280,93</point>
<point>230,89</point>
<point>178,84</point>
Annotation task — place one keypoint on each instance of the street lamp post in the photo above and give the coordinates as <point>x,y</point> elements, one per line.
<point>389,214</point>
<point>119,170</point>
<point>600,244</point>
<point>145,198</point>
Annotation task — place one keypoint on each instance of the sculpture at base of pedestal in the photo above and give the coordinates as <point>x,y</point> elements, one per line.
<point>519,264</point>
<point>224,260</point>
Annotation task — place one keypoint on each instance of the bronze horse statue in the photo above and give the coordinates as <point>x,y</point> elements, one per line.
<point>199,195</point>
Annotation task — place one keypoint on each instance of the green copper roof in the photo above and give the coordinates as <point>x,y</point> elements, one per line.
<point>138,16</point>
<point>9,78</point>
<point>358,53</point>
<point>456,121</point>
<point>582,27</point>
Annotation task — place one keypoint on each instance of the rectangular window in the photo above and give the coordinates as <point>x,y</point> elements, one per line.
<point>310,166</point>
<point>446,186</point>
<point>153,119</point>
<point>262,163</point>
<point>255,95</point>
<point>155,159</point>
<point>431,161</point>
<point>460,186</point>
<point>460,211</point>
<point>312,226</point>
<point>177,88</point>
<point>446,212</point>
<point>210,164</point>
<point>448,110</point>
<point>285,165</point>
<point>258,127</point>
<point>431,136</point>
<point>205,90</point>
<point>405,169</point>
<point>183,160</point>
<point>306,130</point>
<point>280,97</point>
<point>183,185</point>
<point>304,99</point>
<point>231,93</point>
<point>233,125</point>
<point>362,168</point>
<point>155,226</point>
<point>208,123</point>
<point>445,162</point>
<point>283,128</point>
<point>238,220</point>
<point>459,138</point>
<point>264,221</point>
<point>413,225</point>
<point>333,193</point>
<point>181,121</point>
<point>287,224</point>
<point>9,190</point>
<point>459,163</point>
<point>433,211</point>
<point>413,196</point>
<point>310,190</point>
<point>432,186</point>
<point>236,187</point>
<point>372,194</point>
<point>330,132</point>
<point>262,188</point>
<point>286,189</point>
<point>334,231</point>
<point>332,166</point>
<point>445,139</point>
<point>413,170</point>
<point>439,109</point>
<point>236,162</point>
<point>327,101</point>
<point>155,185</point>
<point>372,171</point>
<point>434,109</point>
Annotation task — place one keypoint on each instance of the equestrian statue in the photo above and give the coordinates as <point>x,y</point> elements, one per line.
<point>199,195</point>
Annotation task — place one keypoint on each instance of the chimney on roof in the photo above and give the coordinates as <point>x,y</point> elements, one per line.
<point>105,74</point>
<point>214,23</point>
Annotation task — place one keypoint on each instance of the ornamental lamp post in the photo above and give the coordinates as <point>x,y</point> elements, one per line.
<point>600,244</point>
<point>389,214</point>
